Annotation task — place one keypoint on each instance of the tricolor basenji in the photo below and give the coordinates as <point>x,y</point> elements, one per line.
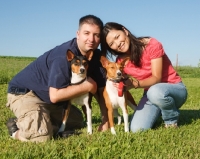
<point>79,66</point>
<point>111,94</point>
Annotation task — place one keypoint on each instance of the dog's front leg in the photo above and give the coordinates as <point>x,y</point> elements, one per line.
<point>66,115</point>
<point>125,115</point>
<point>89,119</point>
<point>110,111</point>
<point>111,122</point>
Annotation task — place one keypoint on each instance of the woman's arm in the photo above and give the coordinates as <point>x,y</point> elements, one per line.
<point>156,68</point>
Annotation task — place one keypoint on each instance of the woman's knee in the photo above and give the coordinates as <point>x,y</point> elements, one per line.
<point>144,117</point>
<point>156,94</point>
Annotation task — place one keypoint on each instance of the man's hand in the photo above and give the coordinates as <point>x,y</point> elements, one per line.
<point>91,85</point>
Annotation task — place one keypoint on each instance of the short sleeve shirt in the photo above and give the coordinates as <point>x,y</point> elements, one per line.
<point>153,50</point>
<point>53,70</point>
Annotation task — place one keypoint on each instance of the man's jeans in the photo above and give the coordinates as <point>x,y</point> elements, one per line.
<point>161,99</point>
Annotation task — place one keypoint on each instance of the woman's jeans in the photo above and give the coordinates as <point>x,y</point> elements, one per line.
<point>161,99</point>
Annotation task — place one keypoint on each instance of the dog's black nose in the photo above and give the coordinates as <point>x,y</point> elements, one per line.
<point>119,73</point>
<point>82,70</point>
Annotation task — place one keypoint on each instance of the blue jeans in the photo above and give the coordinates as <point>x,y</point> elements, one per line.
<point>161,99</point>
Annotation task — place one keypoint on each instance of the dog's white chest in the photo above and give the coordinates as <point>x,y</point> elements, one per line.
<point>81,100</point>
<point>113,95</point>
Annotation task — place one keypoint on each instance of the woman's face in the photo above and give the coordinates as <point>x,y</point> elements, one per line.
<point>118,40</point>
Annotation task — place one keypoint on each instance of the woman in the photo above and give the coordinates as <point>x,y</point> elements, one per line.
<point>164,92</point>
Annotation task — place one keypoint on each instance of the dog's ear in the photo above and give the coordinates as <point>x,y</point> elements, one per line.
<point>104,61</point>
<point>89,55</point>
<point>123,62</point>
<point>69,55</point>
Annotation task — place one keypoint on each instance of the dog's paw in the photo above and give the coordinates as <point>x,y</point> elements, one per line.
<point>89,132</point>
<point>113,130</point>
<point>126,130</point>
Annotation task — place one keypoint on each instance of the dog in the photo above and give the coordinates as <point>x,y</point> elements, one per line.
<point>79,66</point>
<point>113,98</point>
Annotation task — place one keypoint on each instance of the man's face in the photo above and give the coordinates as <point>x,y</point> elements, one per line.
<point>88,37</point>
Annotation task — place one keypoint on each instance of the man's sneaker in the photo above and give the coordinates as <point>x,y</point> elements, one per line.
<point>175,125</point>
<point>12,126</point>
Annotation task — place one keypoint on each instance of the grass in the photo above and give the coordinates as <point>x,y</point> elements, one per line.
<point>158,143</point>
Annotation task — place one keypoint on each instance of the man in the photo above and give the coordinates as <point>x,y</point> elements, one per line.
<point>38,93</point>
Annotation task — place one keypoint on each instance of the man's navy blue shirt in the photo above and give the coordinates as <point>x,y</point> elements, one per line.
<point>53,70</point>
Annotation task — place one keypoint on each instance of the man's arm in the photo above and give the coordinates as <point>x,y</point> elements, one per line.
<point>64,94</point>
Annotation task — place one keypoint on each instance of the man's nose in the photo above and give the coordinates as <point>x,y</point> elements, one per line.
<point>91,37</point>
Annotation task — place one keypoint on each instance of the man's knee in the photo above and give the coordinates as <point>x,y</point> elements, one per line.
<point>35,126</point>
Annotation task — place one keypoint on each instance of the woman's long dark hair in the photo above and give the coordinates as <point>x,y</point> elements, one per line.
<point>136,46</point>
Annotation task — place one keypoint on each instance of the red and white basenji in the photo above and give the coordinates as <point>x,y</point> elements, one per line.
<point>79,66</point>
<point>111,94</point>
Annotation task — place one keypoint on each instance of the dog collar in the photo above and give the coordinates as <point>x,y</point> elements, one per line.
<point>119,80</point>
<point>115,80</point>
<point>78,82</point>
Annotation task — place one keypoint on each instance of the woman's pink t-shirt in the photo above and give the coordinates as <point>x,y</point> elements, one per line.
<point>153,50</point>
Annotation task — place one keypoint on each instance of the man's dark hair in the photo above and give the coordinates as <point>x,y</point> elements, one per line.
<point>91,19</point>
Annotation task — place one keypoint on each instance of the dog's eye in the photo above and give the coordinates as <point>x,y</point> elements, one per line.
<point>85,64</point>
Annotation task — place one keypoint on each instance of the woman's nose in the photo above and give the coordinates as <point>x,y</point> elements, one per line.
<point>118,44</point>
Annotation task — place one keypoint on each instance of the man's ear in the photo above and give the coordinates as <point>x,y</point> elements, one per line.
<point>77,34</point>
<point>69,55</point>
<point>104,61</point>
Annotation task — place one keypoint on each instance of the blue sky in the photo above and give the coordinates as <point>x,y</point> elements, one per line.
<point>30,28</point>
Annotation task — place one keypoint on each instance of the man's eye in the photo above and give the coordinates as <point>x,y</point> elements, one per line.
<point>97,35</point>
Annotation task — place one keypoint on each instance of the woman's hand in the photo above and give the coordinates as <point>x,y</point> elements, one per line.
<point>115,84</point>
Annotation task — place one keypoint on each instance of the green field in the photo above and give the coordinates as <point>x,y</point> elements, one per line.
<point>181,143</point>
